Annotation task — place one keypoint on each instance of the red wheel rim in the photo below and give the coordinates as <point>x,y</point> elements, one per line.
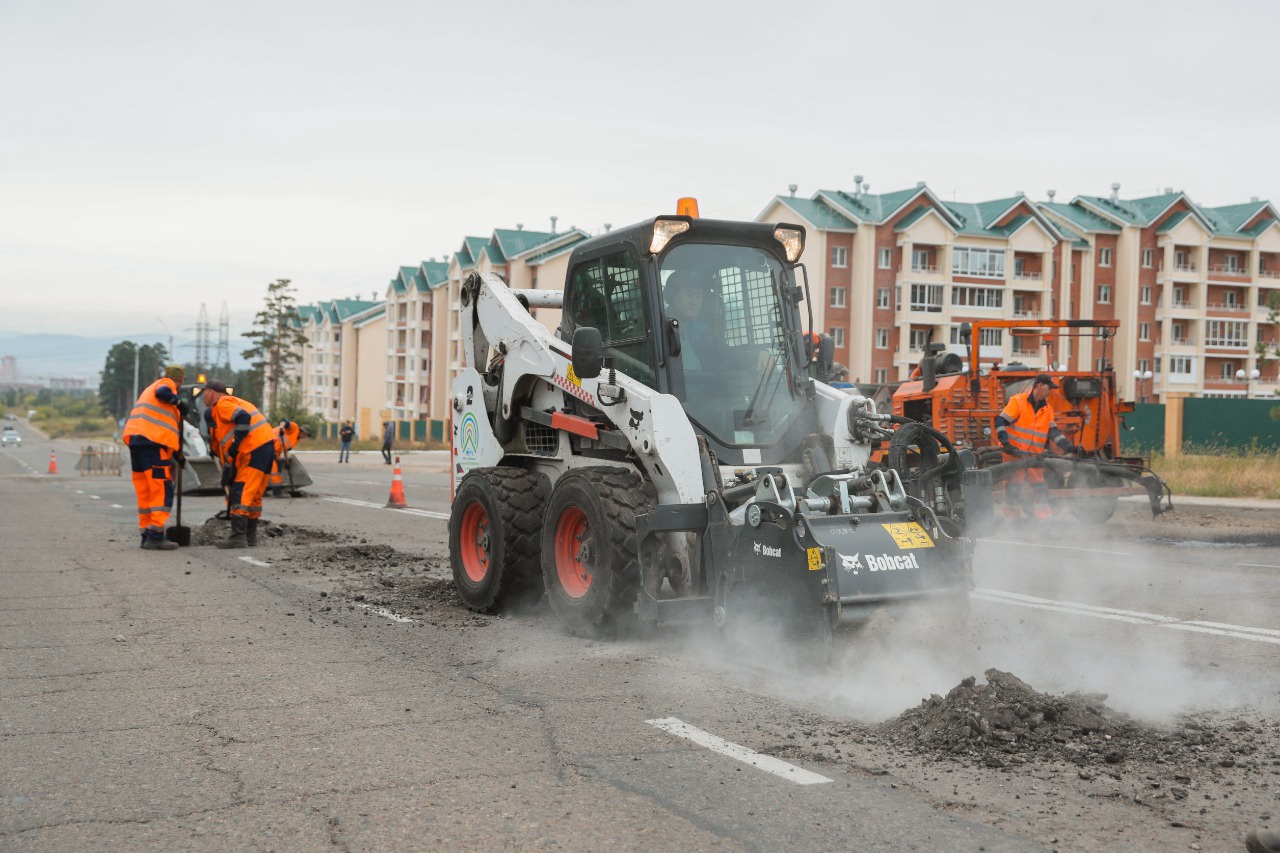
<point>573,552</point>
<point>473,542</point>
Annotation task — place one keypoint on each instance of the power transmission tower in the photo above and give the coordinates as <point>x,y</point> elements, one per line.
<point>224,338</point>
<point>202,339</point>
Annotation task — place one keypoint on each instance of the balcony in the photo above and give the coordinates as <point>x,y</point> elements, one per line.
<point>1228,271</point>
<point>1268,274</point>
<point>1226,343</point>
<point>1230,307</point>
<point>1185,272</point>
<point>1177,344</point>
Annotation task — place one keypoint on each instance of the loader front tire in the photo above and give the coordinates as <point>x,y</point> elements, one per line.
<point>590,564</point>
<point>493,535</point>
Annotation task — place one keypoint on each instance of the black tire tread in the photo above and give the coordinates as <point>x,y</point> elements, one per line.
<point>519,497</point>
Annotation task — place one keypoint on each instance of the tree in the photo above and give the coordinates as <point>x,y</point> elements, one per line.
<point>276,339</point>
<point>115,388</point>
<point>291,405</point>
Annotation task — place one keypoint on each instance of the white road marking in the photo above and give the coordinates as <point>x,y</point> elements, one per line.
<point>255,562</point>
<point>95,497</point>
<point>767,763</point>
<point>116,506</point>
<point>1260,565</point>
<point>1058,547</point>
<point>425,513</point>
<point>1220,629</point>
<point>382,611</point>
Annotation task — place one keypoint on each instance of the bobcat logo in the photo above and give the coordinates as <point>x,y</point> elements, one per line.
<point>636,419</point>
<point>851,564</point>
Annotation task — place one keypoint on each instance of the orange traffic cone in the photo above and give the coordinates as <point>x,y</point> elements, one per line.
<point>53,463</point>
<point>396,501</point>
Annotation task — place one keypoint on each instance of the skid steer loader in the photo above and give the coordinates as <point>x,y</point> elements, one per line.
<point>649,462</point>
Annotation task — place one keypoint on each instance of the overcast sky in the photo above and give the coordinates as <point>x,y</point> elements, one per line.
<point>159,155</point>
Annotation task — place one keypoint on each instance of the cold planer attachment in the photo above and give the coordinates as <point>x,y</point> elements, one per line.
<point>808,569</point>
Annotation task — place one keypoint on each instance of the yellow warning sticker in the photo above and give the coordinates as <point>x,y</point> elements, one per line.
<point>909,535</point>
<point>573,377</point>
<point>815,559</point>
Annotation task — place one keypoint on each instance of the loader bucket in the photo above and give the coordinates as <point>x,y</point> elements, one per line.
<point>201,474</point>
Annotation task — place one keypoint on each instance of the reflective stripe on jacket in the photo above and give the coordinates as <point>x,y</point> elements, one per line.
<point>235,419</point>
<point>154,419</point>
<point>1028,428</point>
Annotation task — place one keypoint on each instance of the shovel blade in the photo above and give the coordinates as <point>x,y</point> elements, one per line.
<point>181,535</point>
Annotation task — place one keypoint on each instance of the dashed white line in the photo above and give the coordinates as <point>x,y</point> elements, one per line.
<point>255,562</point>
<point>767,763</point>
<point>1220,629</point>
<point>116,506</point>
<point>424,513</point>
<point>1057,547</point>
<point>381,611</point>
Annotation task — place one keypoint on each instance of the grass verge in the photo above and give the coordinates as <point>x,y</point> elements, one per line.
<point>1221,475</point>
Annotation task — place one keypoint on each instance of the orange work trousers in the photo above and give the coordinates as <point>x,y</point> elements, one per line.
<point>253,469</point>
<point>152,467</point>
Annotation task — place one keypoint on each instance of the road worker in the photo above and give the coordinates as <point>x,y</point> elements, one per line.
<point>288,434</point>
<point>154,436</point>
<point>246,445</point>
<point>1025,428</point>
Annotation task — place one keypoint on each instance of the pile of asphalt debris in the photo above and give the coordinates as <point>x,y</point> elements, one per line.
<point>217,528</point>
<point>1006,722</point>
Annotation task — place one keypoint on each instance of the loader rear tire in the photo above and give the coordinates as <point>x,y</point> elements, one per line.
<point>493,535</point>
<point>590,564</point>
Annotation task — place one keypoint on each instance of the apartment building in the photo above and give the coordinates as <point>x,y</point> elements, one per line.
<point>1190,285</point>
<point>889,273</point>
<point>341,367</point>
<point>412,299</point>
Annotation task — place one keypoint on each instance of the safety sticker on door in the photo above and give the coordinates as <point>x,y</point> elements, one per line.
<point>909,535</point>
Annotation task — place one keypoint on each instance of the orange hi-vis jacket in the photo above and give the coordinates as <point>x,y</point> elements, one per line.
<point>288,432</point>
<point>155,419</point>
<point>235,419</point>
<point>1029,430</point>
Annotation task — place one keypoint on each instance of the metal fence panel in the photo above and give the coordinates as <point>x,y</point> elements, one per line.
<point>1231,424</point>
<point>1143,430</point>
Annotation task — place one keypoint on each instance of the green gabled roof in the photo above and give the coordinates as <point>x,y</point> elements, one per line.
<point>494,252</point>
<point>1172,222</point>
<point>557,250</point>
<point>820,214</point>
<point>466,255</point>
<point>434,273</point>
<point>868,207</point>
<point>342,309</point>
<point>517,241</point>
<point>1137,211</point>
<point>1084,219</point>
<point>309,314</point>
<point>1011,226</point>
<point>912,218</point>
<point>1077,242</point>
<point>475,245</point>
<point>411,278</point>
<point>398,286</point>
<point>1257,228</point>
<point>1232,217</point>
<point>369,314</point>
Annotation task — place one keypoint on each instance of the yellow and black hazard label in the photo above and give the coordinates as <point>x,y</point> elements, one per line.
<point>573,377</point>
<point>909,535</point>
<point>815,559</point>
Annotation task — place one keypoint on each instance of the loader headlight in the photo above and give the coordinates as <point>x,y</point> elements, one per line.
<point>792,240</point>
<point>664,230</point>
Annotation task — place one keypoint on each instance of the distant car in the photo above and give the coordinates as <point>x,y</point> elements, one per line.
<point>10,417</point>
<point>10,436</point>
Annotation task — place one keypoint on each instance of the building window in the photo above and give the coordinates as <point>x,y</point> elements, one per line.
<point>1144,365</point>
<point>926,297</point>
<point>1180,260</point>
<point>1104,257</point>
<point>1226,333</point>
<point>920,261</point>
<point>990,337</point>
<point>882,297</point>
<point>1228,369</point>
<point>882,338</point>
<point>882,375</point>
<point>1104,294</point>
<point>1144,331</point>
<point>1183,364</point>
<point>886,259</point>
<point>1146,294</point>
<point>918,339</point>
<point>837,336</point>
<point>839,295</point>
<point>1229,299</point>
<point>1147,258</point>
<point>839,256</point>
<point>1099,364</point>
<point>1233,263</point>
<point>985,263</point>
<point>977,297</point>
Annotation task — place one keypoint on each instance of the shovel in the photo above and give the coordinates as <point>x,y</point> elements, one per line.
<point>294,491</point>
<point>178,533</point>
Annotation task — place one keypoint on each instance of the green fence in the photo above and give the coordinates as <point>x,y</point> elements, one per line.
<point>1230,424</point>
<point>419,432</point>
<point>1143,431</point>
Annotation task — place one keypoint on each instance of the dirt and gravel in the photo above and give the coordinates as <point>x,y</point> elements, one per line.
<point>993,749</point>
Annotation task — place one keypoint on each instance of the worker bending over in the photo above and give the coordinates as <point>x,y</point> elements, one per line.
<point>154,436</point>
<point>288,434</point>
<point>246,444</point>
<point>1025,428</point>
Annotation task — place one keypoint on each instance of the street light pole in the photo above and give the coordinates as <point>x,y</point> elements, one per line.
<point>1247,378</point>
<point>135,372</point>
<point>1141,376</point>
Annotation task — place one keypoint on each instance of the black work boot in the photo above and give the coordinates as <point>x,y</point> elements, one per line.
<point>251,532</point>
<point>157,543</point>
<point>237,537</point>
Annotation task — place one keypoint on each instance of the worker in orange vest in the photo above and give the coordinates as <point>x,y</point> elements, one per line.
<point>154,436</point>
<point>288,434</point>
<point>246,445</point>
<point>1025,427</point>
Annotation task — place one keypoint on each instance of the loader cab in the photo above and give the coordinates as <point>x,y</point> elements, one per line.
<point>705,310</point>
